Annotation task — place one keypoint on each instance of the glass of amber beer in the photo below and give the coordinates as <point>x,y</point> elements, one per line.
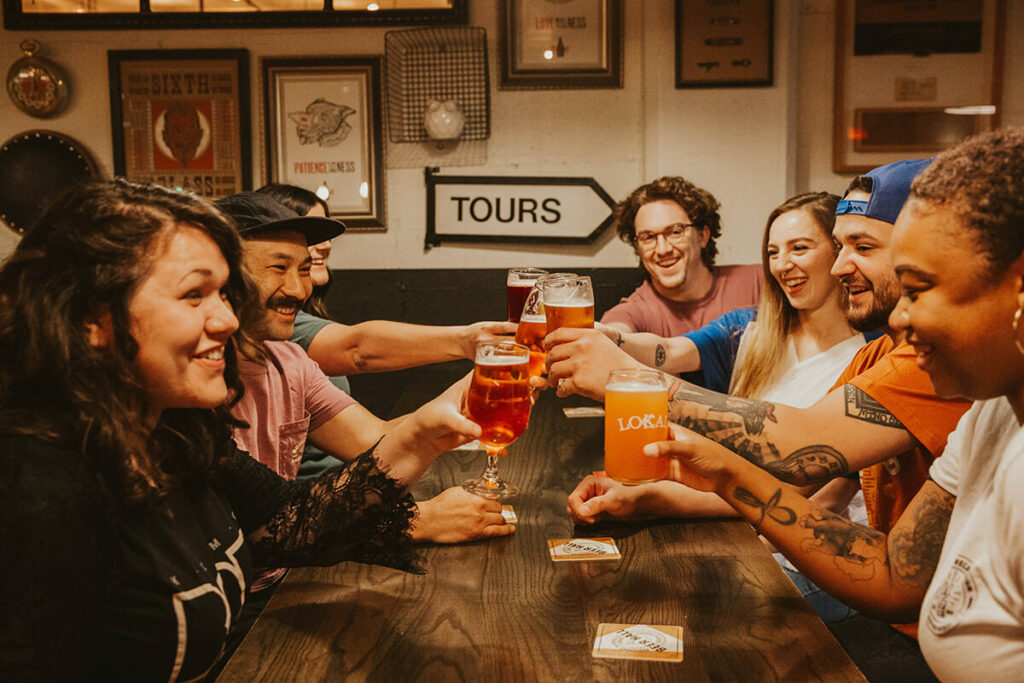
<point>568,301</point>
<point>533,326</point>
<point>635,414</point>
<point>518,285</point>
<point>499,401</point>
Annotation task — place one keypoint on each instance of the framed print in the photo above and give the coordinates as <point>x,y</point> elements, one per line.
<point>180,118</point>
<point>323,132</point>
<point>913,78</point>
<point>723,45</point>
<point>560,44</point>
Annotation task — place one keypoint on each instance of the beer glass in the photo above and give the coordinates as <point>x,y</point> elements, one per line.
<point>568,302</point>
<point>635,414</point>
<point>499,401</point>
<point>533,326</point>
<point>518,285</point>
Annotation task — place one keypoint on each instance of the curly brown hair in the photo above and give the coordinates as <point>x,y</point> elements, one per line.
<point>699,204</point>
<point>981,181</point>
<point>87,252</point>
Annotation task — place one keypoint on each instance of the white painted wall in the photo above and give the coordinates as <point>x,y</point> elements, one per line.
<point>751,147</point>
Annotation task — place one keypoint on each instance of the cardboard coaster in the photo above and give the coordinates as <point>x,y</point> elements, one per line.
<point>584,411</point>
<point>577,549</point>
<point>639,641</point>
<point>509,514</point>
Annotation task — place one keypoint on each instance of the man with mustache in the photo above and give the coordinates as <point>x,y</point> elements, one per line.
<point>288,398</point>
<point>882,418</point>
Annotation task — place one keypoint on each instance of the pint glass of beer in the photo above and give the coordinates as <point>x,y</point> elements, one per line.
<point>568,302</point>
<point>499,401</point>
<point>635,414</point>
<point>520,282</point>
<point>533,325</point>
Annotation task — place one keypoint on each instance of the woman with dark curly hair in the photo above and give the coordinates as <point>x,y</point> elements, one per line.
<point>131,526</point>
<point>955,555</point>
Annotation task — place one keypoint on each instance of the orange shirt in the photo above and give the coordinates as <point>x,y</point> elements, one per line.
<point>889,374</point>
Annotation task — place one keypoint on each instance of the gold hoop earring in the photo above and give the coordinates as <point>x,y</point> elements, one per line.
<point>1016,329</point>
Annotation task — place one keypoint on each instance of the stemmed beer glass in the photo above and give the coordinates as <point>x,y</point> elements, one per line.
<point>499,401</point>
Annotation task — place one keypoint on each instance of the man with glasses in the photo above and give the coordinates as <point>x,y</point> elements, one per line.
<point>672,225</point>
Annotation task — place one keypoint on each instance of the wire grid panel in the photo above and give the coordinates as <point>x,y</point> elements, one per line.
<point>437,64</point>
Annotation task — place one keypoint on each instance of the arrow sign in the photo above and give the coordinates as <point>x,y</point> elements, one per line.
<point>515,209</point>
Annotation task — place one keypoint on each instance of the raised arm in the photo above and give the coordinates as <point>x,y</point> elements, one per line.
<point>882,576</point>
<point>844,432</point>
<point>382,345</point>
<point>673,355</point>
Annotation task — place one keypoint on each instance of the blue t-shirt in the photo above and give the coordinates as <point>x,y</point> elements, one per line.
<point>717,343</point>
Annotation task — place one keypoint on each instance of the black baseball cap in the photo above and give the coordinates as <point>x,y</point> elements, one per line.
<point>255,212</point>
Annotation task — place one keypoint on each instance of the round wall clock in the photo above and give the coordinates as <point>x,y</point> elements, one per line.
<point>37,86</point>
<point>36,166</point>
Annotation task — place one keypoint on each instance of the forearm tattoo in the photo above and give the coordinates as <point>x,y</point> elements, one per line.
<point>859,550</point>
<point>659,356</point>
<point>770,508</point>
<point>914,552</point>
<point>808,465</point>
<point>862,407</point>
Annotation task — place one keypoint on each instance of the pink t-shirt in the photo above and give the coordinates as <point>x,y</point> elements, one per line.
<point>647,311</point>
<point>284,400</point>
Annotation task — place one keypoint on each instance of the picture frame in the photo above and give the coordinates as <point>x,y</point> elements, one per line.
<point>570,44</point>
<point>323,128</point>
<point>180,118</point>
<point>724,45</point>
<point>913,79</point>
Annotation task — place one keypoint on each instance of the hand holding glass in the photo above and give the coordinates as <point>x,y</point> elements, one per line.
<point>499,401</point>
<point>635,414</point>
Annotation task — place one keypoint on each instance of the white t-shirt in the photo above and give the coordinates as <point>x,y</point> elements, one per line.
<point>972,618</point>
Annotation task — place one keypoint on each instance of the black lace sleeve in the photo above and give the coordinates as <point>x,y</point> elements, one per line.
<point>349,513</point>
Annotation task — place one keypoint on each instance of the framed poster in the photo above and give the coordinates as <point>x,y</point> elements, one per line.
<point>323,132</point>
<point>180,118</point>
<point>722,45</point>
<point>913,78</point>
<point>560,44</point>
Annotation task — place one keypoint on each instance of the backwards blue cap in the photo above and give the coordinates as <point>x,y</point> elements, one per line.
<point>890,187</point>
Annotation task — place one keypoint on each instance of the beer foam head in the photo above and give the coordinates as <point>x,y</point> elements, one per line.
<point>506,359</point>
<point>533,319</point>
<point>637,387</point>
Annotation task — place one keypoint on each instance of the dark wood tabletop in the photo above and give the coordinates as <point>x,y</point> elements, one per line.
<point>501,610</point>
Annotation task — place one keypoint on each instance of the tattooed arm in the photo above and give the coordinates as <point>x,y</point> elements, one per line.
<point>884,577</point>
<point>844,432</point>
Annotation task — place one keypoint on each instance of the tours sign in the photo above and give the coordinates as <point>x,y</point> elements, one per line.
<point>515,209</point>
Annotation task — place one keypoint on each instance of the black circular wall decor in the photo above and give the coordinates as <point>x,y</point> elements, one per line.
<point>36,166</point>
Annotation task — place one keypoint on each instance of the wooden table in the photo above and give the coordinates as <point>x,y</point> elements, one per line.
<point>501,610</point>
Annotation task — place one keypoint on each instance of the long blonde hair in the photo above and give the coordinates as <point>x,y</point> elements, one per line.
<point>766,343</point>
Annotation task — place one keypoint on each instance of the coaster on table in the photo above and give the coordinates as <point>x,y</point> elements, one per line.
<point>577,549</point>
<point>509,514</point>
<point>639,641</point>
<point>584,411</point>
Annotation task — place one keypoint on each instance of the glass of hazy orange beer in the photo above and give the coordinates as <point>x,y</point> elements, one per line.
<point>635,414</point>
<point>568,301</point>
<point>499,401</point>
